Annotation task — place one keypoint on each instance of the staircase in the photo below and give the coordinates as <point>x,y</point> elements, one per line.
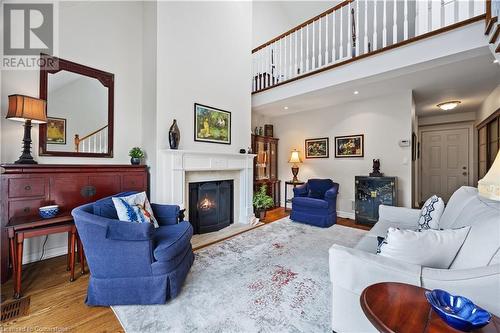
<point>492,30</point>
<point>95,142</point>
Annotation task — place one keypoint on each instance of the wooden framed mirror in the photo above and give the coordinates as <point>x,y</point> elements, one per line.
<point>80,111</point>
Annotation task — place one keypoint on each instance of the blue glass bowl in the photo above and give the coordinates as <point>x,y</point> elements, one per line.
<point>48,212</point>
<point>457,311</point>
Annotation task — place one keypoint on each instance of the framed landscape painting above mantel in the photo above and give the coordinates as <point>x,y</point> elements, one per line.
<point>212,124</point>
<point>350,146</point>
<point>317,148</point>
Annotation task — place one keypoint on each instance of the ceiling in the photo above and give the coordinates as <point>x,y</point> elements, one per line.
<point>469,80</point>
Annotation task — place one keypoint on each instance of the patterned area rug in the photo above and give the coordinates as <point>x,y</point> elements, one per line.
<point>272,279</point>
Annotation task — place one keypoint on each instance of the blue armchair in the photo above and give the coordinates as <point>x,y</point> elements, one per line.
<point>315,203</point>
<point>133,263</point>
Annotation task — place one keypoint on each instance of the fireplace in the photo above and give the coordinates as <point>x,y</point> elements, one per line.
<point>211,205</point>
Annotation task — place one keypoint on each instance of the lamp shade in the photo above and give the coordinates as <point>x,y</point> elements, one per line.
<point>23,108</point>
<point>294,157</point>
<point>489,186</point>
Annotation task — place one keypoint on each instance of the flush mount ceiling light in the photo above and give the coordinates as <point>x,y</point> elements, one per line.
<point>450,105</point>
<point>495,61</point>
<point>356,92</point>
<point>286,107</point>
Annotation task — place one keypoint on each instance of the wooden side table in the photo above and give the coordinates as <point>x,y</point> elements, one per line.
<point>19,229</point>
<point>294,184</point>
<point>397,307</point>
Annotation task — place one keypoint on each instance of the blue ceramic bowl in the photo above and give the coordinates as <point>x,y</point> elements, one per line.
<point>48,212</point>
<point>457,311</point>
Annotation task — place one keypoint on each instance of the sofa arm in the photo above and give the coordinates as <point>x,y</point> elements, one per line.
<point>300,190</point>
<point>354,270</point>
<point>166,214</point>
<point>130,231</point>
<point>331,194</point>
<point>481,284</point>
<point>406,216</point>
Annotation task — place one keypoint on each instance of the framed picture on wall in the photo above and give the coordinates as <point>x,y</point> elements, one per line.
<point>212,124</point>
<point>317,148</point>
<point>56,131</point>
<point>350,146</point>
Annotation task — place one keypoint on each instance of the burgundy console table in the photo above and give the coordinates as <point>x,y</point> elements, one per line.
<point>25,188</point>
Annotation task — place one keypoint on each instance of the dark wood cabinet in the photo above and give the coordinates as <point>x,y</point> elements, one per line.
<point>371,192</point>
<point>266,165</point>
<point>25,188</point>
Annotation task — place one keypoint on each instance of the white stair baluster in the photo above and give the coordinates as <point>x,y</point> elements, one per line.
<point>395,24</point>
<point>471,8</point>
<point>349,31</point>
<point>384,25</point>
<point>429,16</point>
<point>441,14</point>
<point>313,64</point>
<point>307,48</point>
<point>365,39</point>
<point>341,38</point>
<point>405,23</point>
<point>285,63</point>
<point>257,59</point>
<point>320,49</point>
<point>334,14</point>
<point>295,69</point>
<point>301,50</point>
<point>327,60</point>
<point>291,53</point>
<point>95,143</point>
<point>375,36</point>
<point>455,11</point>
<point>358,30</point>
<point>280,72</point>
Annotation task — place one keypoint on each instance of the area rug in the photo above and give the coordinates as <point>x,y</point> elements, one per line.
<point>273,278</point>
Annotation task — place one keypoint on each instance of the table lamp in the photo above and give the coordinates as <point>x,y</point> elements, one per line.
<point>295,160</point>
<point>489,186</point>
<point>30,110</point>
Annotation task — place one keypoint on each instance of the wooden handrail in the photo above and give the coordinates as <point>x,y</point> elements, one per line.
<point>302,25</point>
<point>78,139</point>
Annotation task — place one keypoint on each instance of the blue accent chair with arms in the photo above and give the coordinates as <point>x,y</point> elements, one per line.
<point>315,203</point>
<point>133,263</point>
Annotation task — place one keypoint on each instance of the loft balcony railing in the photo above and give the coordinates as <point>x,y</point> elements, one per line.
<point>352,30</point>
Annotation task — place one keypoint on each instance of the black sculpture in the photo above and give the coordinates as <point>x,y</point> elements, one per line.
<point>174,136</point>
<point>376,169</point>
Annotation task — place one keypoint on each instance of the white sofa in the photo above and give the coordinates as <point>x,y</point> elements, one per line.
<point>474,273</point>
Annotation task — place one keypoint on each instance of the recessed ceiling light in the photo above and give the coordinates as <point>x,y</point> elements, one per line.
<point>450,105</point>
<point>286,108</point>
<point>356,92</point>
<point>495,61</point>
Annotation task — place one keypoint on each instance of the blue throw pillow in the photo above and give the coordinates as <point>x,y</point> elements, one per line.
<point>315,194</point>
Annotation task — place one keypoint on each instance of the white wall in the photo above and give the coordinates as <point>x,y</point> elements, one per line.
<point>208,63</point>
<point>383,121</point>
<point>87,35</point>
<point>490,105</point>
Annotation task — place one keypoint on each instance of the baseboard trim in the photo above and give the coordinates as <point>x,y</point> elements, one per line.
<point>49,253</point>
<point>346,215</point>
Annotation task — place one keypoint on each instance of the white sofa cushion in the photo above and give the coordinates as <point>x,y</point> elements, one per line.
<point>483,241</point>
<point>429,248</point>
<point>430,214</point>
<point>457,203</point>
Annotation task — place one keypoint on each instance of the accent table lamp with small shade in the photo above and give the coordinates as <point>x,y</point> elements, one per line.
<point>30,110</point>
<point>489,185</point>
<point>295,160</point>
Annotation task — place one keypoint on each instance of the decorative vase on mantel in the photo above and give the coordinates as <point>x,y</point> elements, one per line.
<point>174,135</point>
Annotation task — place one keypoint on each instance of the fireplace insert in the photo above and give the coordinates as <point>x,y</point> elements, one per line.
<point>211,205</point>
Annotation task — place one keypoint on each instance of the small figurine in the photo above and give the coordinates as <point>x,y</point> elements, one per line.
<point>261,131</point>
<point>249,151</point>
<point>376,169</point>
<point>256,131</point>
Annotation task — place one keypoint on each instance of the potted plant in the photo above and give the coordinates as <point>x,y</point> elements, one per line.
<point>136,154</point>
<point>262,201</point>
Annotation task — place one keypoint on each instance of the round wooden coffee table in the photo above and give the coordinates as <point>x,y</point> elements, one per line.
<point>399,308</point>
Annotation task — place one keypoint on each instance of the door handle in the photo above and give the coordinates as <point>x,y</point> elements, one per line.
<point>464,173</point>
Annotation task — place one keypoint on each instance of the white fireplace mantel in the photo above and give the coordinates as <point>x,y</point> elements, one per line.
<point>174,164</point>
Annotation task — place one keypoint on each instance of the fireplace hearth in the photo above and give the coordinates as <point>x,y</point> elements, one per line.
<point>211,205</point>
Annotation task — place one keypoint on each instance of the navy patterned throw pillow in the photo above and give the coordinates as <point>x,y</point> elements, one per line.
<point>431,213</point>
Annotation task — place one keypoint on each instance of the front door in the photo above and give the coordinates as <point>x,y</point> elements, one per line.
<point>445,162</point>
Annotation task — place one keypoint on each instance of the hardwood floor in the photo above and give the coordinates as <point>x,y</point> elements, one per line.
<point>58,305</point>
